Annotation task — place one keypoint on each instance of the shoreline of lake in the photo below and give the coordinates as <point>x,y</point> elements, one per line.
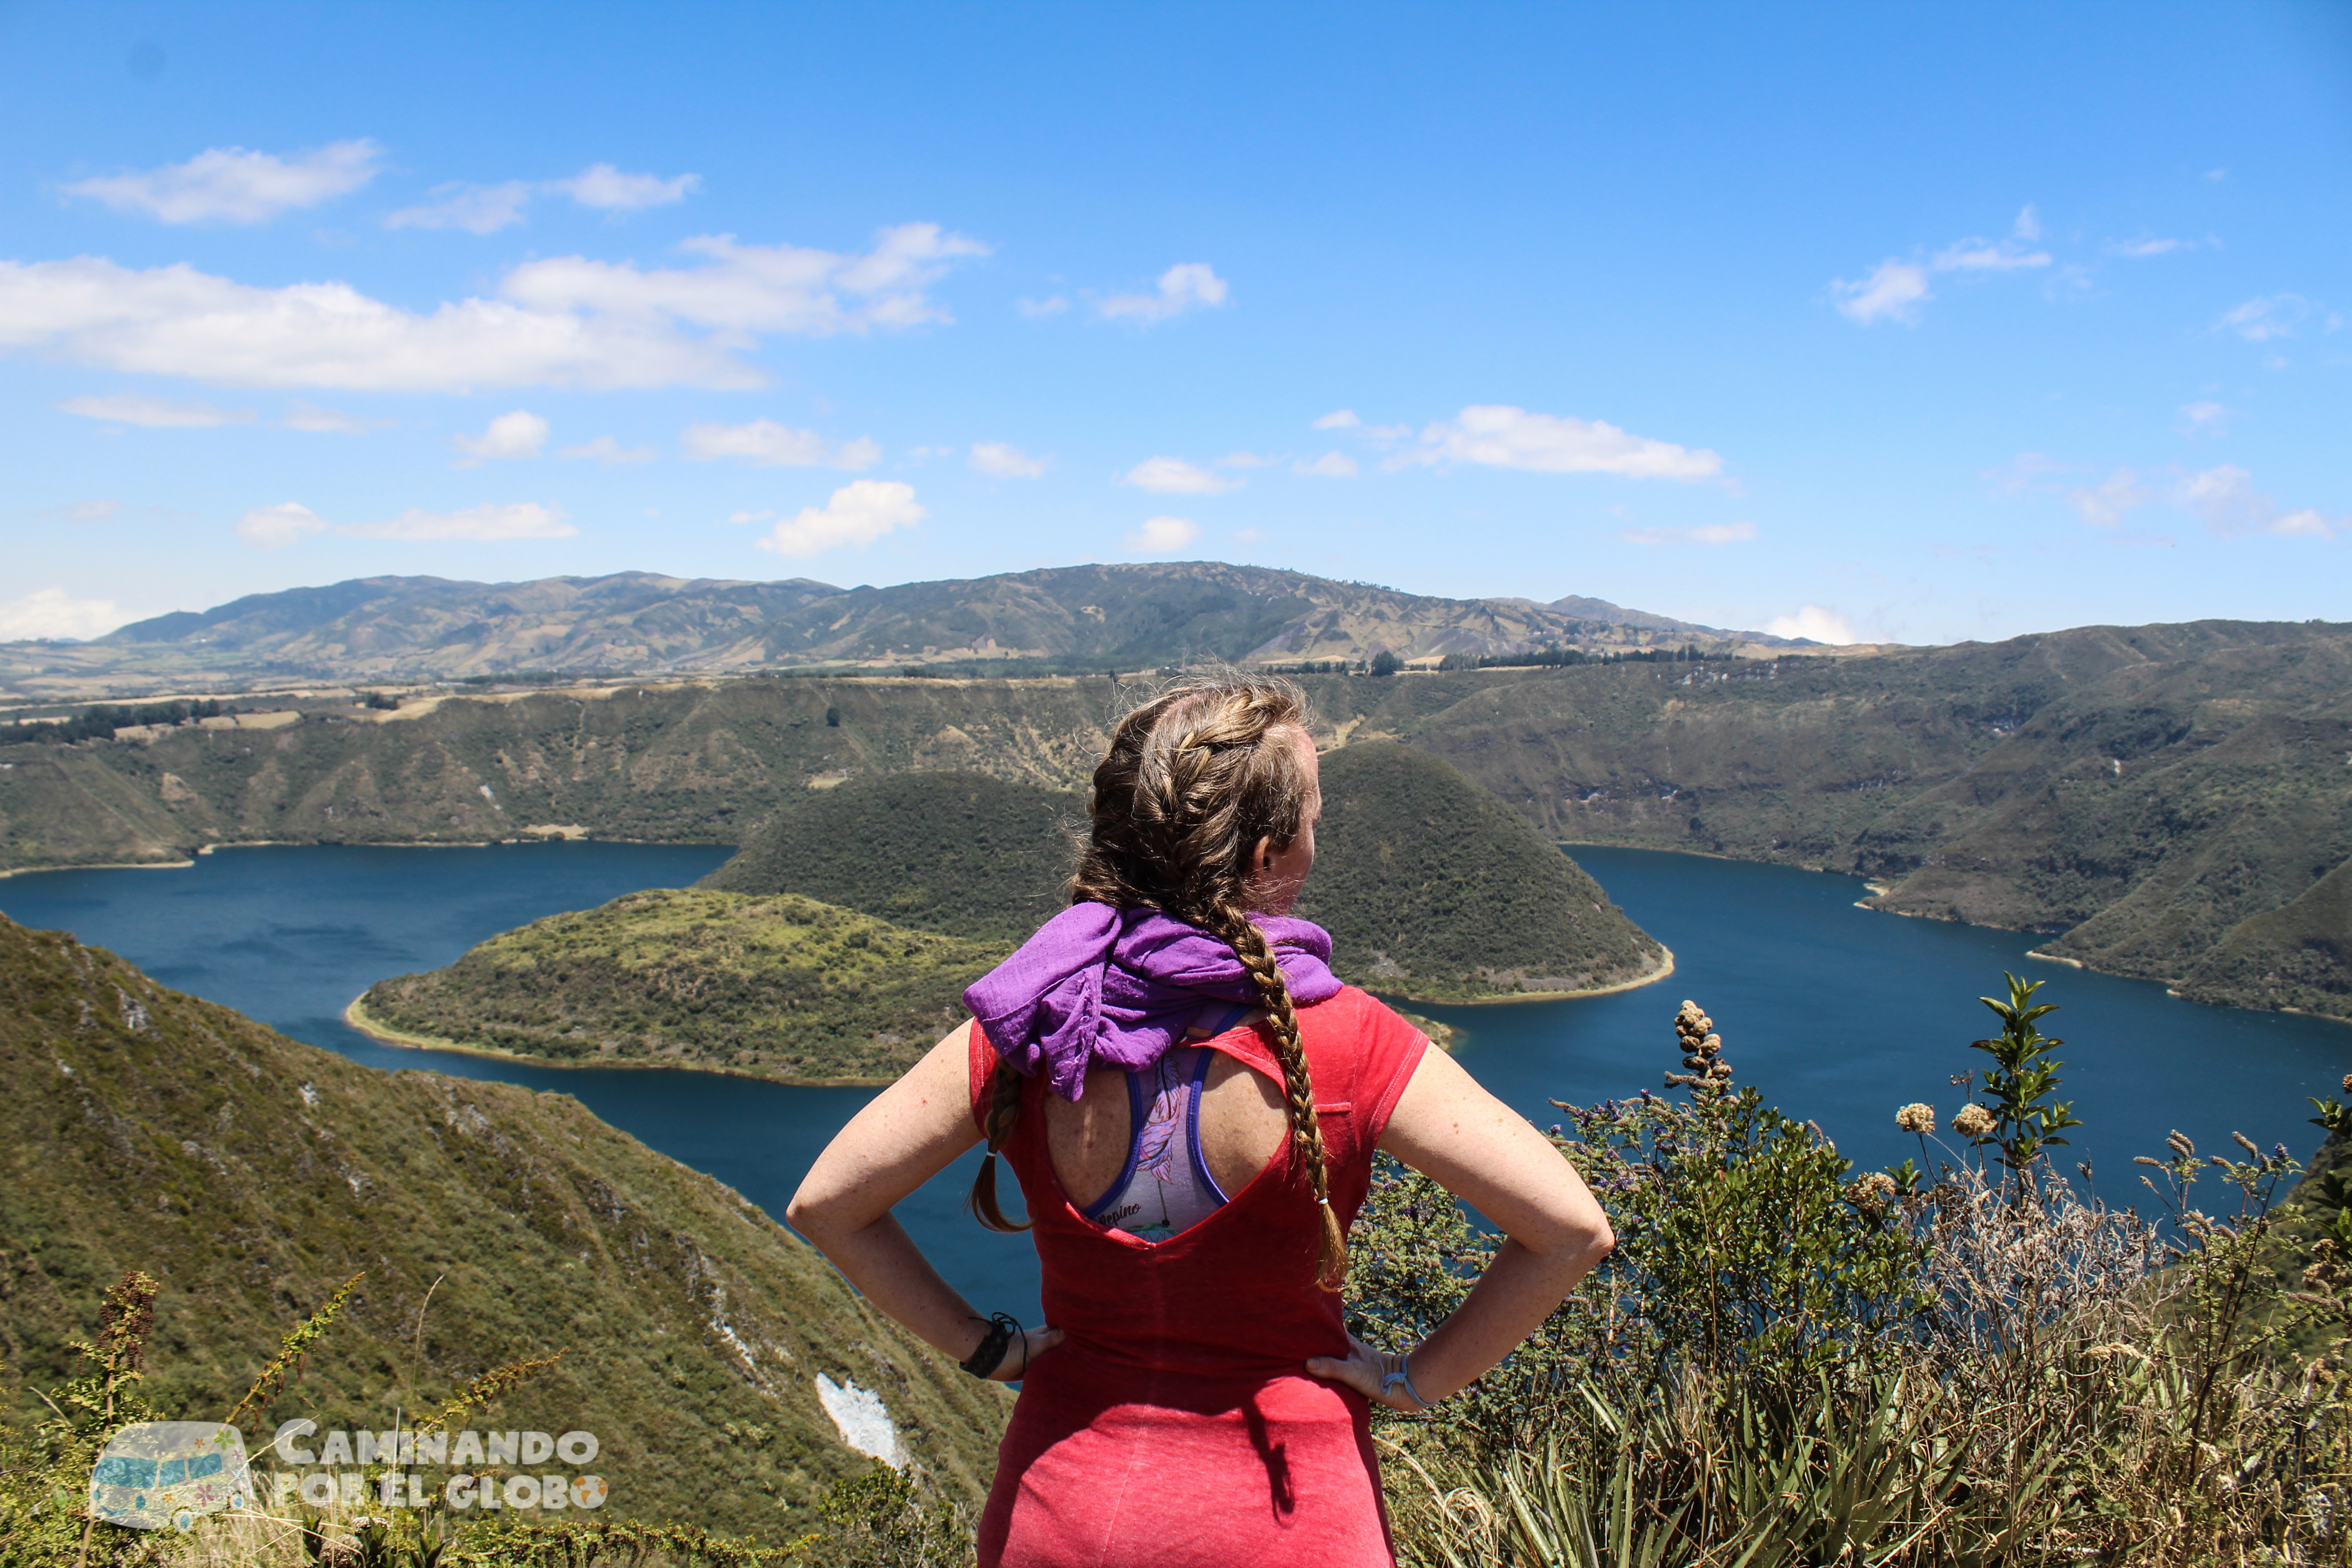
<point>1665,971</point>
<point>356,1015</point>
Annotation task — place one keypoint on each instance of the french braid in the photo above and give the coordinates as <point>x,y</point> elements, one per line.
<point>1193,780</point>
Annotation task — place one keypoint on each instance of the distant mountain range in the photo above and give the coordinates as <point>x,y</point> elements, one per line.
<point>639,623</point>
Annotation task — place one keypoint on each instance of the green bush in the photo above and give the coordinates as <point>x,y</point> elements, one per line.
<point>1787,1362</point>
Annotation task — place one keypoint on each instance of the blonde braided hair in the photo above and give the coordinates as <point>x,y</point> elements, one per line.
<point>1193,780</point>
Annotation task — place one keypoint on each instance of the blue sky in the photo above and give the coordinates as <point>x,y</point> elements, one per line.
<point>1869,321</point>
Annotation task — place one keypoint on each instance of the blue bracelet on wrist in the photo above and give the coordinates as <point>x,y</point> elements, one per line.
<point>1404,1374</point>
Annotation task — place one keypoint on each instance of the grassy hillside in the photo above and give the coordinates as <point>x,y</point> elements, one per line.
<point>1433,887</point>
<point>961,853</point>
<point>780,987</point>
<point>2139,792</point>
<point>251,1174</point>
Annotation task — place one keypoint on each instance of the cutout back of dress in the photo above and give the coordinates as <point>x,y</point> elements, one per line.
<point>1165,1186</point>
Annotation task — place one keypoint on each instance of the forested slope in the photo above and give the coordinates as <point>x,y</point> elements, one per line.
<point>252,1175</point>
<point>1433,887</point>
<point>961,853</point>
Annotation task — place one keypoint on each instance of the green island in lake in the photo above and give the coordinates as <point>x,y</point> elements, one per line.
<point>835,946</point>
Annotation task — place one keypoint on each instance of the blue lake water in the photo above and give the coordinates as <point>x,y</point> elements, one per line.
<point>1838,1014</point>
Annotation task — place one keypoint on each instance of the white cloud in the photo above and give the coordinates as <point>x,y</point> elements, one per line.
<point>520,433</point>
<point>488,524</point>
<point>272,527</point>
<point>1895,287</point>
<point>1988,256</point>
<point>2225,500</point>
<point>1329,465</point>
<point>1704,533</point>
<point>155,413</point>
<point>1002,461</point>
<point>1051,306</point>
<point>311,416</point>
<point>1499,436</point>
<point>1338,419</point>
<point>53,612</point>
<point>608,189</point>
<point>1187,286</point>
<point>1891,290</point>
<point>1815,622</point>
<point>1162,536</point>
<point>2260,320</point>
<point>477,209</point>
<point>233,186</point>
<point>1175,476</point>
<point>2206,418</point>
<point>565,322</point>
<point>82,511</point>
<point>761,289</point>
<point>2111,501</point>
<point>607,452</point>
<point>860,512</point>
<point>1245,461</point>
<point>2146,245</point>
<point>770,445</point>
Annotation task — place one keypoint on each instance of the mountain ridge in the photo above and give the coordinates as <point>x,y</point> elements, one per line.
<point>1130,615</point>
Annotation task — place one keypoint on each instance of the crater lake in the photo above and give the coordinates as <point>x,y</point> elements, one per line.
<point>1838,1015</point>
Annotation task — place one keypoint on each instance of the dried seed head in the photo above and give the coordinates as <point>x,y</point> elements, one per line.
<point>1916,1118</point>
<point>2179,1144</point>
<point>1871,1191</point>
<point>2144,1160</point>
<point>2248,1144</point>
<point>1974,1122</point>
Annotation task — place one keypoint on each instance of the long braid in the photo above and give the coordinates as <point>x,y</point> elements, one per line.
<point>1297,1087</point>
<point>1003,1109</point>
<point>1193,782</point>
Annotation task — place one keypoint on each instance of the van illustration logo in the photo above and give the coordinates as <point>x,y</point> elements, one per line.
<point>169,1472</point>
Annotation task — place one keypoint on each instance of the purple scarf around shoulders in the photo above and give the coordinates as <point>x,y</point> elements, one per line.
<point>1099,984</point>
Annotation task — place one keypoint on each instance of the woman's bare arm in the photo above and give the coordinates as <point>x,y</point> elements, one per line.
<point>1481,1150</point>
<point>906,1135</point>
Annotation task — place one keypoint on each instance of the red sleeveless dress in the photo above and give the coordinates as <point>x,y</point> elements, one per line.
<point>1176,1426</point>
